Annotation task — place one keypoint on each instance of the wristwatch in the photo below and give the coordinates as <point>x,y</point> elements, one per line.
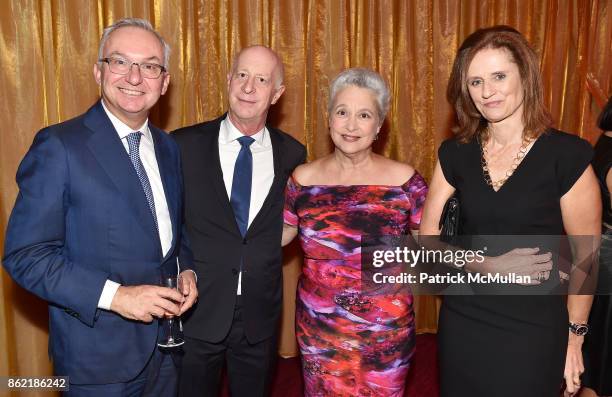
<point>579,329</point>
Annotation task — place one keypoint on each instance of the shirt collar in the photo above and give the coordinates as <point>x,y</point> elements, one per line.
<point>230,133</point>
<point>123,129</point>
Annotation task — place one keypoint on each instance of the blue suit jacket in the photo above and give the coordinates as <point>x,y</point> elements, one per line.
<point>81,217</point>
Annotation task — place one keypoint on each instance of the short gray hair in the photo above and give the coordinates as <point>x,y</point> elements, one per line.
<point>135,23</point>
<point>363,78</point>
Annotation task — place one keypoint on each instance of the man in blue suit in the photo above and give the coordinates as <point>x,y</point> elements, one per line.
<point>98,219</point>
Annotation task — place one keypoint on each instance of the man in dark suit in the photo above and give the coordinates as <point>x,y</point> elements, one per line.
<point>235,169</point>
<point>98,220</point>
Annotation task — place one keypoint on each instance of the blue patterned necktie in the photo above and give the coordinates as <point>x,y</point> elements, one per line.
<point>241,184</point>
<point>133,140</point>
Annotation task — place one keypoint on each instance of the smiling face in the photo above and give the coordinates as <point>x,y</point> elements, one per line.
<point>354,121</point>
<point>495,86</point>
<point>253,86</point>
<point>130,97</point>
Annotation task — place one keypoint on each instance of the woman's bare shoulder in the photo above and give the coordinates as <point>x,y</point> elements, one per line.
<point>305,174</point>
<point>396,171</point>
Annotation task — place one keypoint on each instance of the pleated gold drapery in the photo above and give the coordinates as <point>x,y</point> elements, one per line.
<point>47,51</point>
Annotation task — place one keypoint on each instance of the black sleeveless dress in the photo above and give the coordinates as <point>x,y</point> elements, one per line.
<point>508,345</point>
<point>598,342</point>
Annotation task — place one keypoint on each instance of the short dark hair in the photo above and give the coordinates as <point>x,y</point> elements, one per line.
<point>605,117</point>
<point>470,122</point>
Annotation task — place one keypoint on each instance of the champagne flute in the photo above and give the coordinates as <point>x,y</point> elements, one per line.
<point>172,329</point>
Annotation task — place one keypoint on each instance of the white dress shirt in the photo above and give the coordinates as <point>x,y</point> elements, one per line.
<point>147,156</point>
<point>263,166</point>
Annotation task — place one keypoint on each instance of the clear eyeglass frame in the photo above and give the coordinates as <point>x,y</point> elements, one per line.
<point>123,66</point>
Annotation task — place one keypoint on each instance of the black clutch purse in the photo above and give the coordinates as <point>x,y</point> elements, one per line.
<point>449,220</point>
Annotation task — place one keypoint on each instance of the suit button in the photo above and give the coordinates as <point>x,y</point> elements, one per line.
<point>234,271</point>
<point>244,241</point>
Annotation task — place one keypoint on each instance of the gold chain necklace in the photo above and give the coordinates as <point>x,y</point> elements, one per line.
<point>520,155</point>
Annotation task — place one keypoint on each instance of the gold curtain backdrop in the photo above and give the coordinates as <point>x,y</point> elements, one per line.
<point>48,48</point>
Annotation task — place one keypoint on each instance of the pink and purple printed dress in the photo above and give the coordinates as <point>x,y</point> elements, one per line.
<point>352,343</point>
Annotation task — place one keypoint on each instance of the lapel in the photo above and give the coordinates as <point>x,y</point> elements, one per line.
<point>213,163</point>
<point>110,153</point>
<point>168,172</point>
<point>277,183</point>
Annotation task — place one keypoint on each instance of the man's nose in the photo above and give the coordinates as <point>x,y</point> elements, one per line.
<point>134,76</point>
<point>248,86</point>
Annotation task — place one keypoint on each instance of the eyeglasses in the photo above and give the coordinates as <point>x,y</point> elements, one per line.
<point>123,66</point>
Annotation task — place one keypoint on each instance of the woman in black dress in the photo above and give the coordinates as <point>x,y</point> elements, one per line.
<point>598,343</point>
<point>513,175</point>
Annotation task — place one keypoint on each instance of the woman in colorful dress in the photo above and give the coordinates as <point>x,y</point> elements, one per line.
<point>353,342</point>
<point>514,175</point>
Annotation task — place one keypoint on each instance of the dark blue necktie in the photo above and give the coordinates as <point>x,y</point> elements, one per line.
<point>133,140</point>
<point>241,184</point>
